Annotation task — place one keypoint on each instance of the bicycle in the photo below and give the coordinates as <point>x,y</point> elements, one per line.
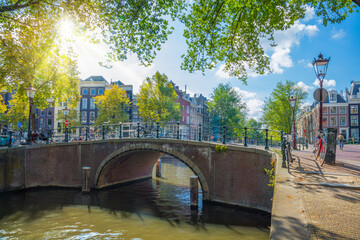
<point>341,145</point>
<point>148,131</point>
<point>320,150</point>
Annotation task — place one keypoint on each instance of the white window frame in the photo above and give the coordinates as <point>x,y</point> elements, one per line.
<point>333,112</point>
<point>83,91</point>
<point>327,122</point>
<point>355,107</point>
<point>357,120</point>
<point>342,107</point>
<point>84,104</point>
<point>92,103</point>
<point>340,121</point>
<point>331,119</point>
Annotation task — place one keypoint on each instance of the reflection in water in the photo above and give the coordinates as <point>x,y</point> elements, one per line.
<point>152,209</point>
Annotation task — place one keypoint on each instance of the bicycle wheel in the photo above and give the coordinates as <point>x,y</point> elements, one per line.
<point>139,130</point>
<point>153,132</point>
<point>322,155</point>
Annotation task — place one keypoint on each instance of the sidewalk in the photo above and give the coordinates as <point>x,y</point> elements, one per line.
<point>328,196</point>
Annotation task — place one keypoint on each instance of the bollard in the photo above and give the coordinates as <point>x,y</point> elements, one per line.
<point>245,137</point>
<point>200,132</point>
<point>267,139</point>
<point>307,143</point>
<point>271,141</point>
<point>158,168</point>
<point>86,179</point>
<point>178,131</point>
<point>194,191</point>
<point>120,131</point>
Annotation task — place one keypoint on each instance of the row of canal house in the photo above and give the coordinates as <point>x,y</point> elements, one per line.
<point>194,108</point>
<point>341,111</point>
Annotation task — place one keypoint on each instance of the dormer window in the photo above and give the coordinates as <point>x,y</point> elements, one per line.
<point>333,97</point>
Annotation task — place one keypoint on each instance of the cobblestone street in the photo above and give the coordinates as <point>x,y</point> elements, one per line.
<point>330,195</point>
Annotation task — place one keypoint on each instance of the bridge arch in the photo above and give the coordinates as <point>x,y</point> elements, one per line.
<point>138,148</point>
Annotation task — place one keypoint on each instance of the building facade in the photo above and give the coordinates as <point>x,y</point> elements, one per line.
<point>354,111</point>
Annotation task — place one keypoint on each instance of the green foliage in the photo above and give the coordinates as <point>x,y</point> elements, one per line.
<point>112,106</point>
<point>157,100</point>
<point>18,111</point>
<point>219,31</point>
<point>277,113</point>
<point>254,129</point>
<point>72,115</point>
<point>221,148</point>
<point>271,174</point>
<point>226,106</point>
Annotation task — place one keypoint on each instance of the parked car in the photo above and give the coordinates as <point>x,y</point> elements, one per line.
<point>4,140</point>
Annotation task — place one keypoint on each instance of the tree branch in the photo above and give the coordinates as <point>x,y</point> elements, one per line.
<point>16,6</point>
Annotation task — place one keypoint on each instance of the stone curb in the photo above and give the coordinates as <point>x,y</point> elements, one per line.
<point>338,185</point>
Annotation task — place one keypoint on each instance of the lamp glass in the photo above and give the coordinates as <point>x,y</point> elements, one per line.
<point>30,92</point>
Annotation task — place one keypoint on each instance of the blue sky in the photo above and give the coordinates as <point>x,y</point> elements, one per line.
<point>290,60</point>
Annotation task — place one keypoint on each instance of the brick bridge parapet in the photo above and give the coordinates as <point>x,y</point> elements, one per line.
<point>234,177</point>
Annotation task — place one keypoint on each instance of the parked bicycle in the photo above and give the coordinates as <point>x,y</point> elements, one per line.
<point>148,131</point>
<point>320,149</point>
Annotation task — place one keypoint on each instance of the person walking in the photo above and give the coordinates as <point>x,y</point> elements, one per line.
<point>341,141</point>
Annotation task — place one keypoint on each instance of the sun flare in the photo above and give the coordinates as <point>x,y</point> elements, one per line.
<point>66,29</point>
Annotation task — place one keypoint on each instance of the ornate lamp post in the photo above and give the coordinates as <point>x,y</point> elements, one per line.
<point>30,93</point>
<point>320,66</point>
<point>292,101</point>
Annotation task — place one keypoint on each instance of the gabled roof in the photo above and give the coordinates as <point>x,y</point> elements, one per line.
<point>339,98</point>
<point>118,83</point>
<point>355,88</point>
<point>95,78</point>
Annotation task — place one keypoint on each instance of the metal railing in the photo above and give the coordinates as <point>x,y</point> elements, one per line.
<point>210,133</point>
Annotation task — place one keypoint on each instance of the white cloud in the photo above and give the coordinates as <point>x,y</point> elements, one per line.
<point>337,34</point>
<point>221,73</point>
<point>244,94</point>
<point>303,86</point>
<point>285,40</point>
<point>326,83</point>
<point>309,14</point>
<point>255,108</point>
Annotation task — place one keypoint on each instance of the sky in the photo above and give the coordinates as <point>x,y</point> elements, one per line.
<point>290,60</point>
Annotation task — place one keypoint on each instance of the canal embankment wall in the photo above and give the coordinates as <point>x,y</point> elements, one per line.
<point>234,176</point>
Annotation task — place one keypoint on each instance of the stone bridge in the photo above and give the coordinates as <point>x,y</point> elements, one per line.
<point>234,177</point>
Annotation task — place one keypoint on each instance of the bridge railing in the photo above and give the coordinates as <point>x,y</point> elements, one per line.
<point>173,130</point>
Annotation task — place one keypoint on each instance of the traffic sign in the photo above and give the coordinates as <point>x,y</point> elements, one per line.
<point>66,122</point>
<point>325,95</point>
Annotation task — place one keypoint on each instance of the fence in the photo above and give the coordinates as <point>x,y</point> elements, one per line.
<point>212,133</point>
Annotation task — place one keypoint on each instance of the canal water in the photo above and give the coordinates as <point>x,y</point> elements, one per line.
<point>157,208</point>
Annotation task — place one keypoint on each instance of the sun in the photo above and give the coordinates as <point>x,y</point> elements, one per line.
<point>66,29</point>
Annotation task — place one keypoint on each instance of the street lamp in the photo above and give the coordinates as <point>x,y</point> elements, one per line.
<point>292,101</point>
<point>320,67</point>
<point>30,93</point>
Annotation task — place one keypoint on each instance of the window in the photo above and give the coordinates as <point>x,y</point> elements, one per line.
<point>92,91</point>
<point>342,109</point>
<point>84,117</point>
<point>332,110</point>
<point>332,121</point>
<point>324,121</point>
<point>353,109</point>
<point>101,91</point>
<point>187,120</point>
<point>41,122</point>
<point>49,122</point>
<point>42,113</point>
<point>84,103</point>
<point>354,120</point>
<point>342,120</point>
<point>84,91</point>
<point>332,97</point>
<point>354,133</point>
<point>187,109</point>
<point>325,110</point>
<point>92,117</point>
<point>92,103</point>
<point>49,112</point>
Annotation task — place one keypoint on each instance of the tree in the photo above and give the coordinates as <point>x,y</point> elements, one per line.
<point>226,106</point>
<point>17,112</point>
<point>157,100</point>
<point>277,113</point>
<point>72,115</point>
<point>254,128</point>
<point>215,31</point>
<point>112,106</point>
